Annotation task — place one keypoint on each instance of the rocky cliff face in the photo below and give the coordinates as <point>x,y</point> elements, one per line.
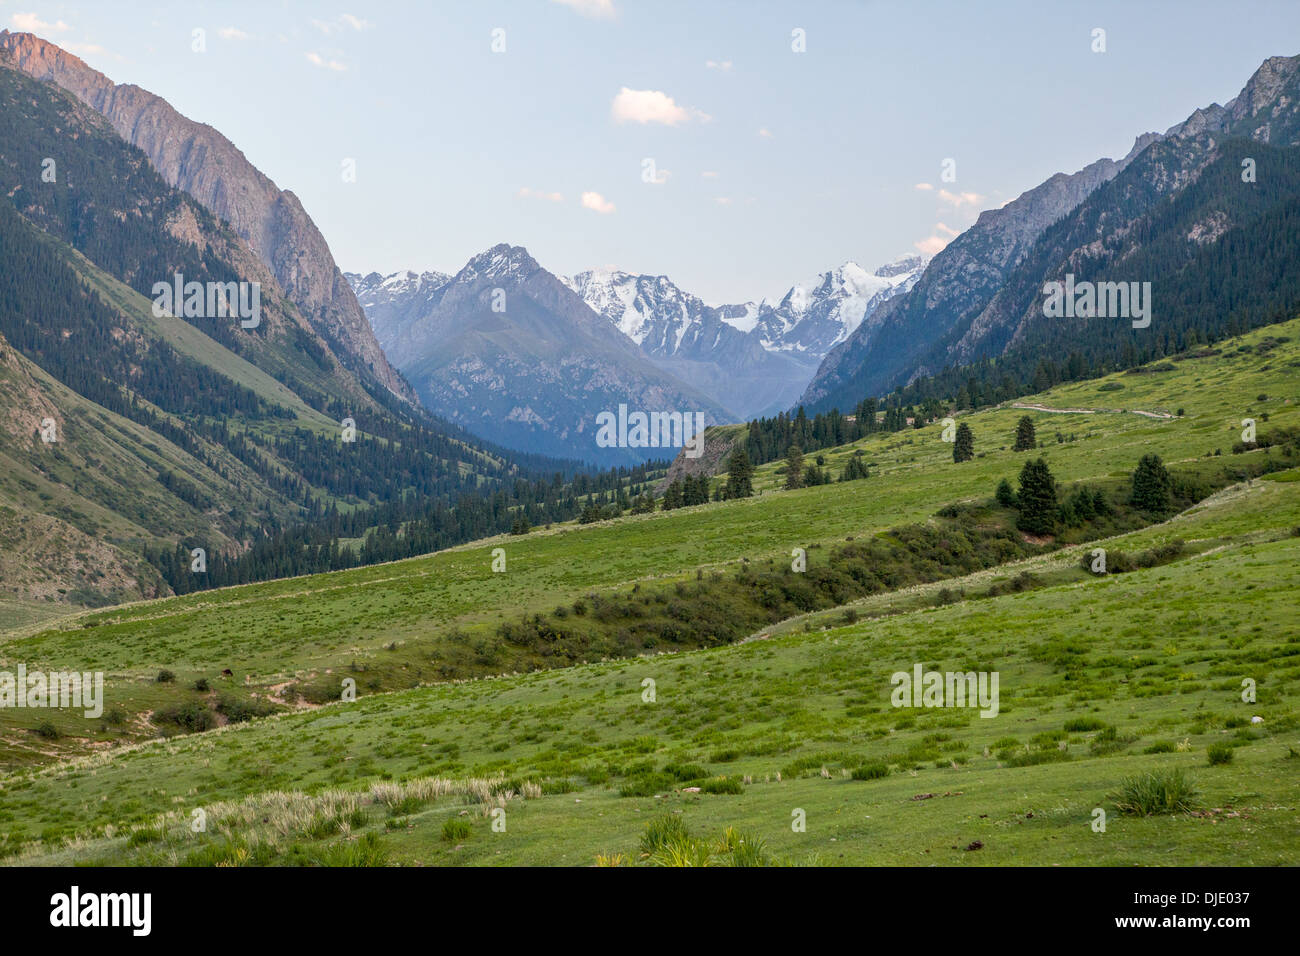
<point>955,287</point>
<point>974,300</point>
<point>199,160</point>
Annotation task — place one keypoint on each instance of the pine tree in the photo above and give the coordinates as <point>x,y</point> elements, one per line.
<point>1005,496</point>
<point>740,474</point>
<point>855,469</point>
<point>793,468</point>
<point>1151,486</point>
<point>1025,440</point>
<point>963,449</point>
<point>1037,498</point>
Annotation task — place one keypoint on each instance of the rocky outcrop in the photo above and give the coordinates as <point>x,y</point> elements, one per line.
<point>718,443</point>
<point>201,161</point>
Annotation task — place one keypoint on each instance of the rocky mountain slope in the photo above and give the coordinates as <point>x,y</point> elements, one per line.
<point>753,357</point>
<point>201,161</point>
<point>510,352</point>
<point>168,430</point>
<point>958,312</point>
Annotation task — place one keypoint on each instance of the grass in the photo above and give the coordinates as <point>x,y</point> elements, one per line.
<point>1111,686</point>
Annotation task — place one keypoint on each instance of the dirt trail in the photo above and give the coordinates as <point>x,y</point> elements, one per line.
<point>1034,406</point>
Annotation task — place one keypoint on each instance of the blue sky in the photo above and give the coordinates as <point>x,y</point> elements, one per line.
<point>770,165</point>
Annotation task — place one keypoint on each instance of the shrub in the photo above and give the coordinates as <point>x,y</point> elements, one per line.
<point>367,851</point>
<point>455,829</point>
<point>1218,754</point>
<point>47,730</point>
<point>1160,791</point>
<point>1005,495</point>
<point>722,785</point>
<point>1084,724</point>
<point>661,831</point>
<point>202,685</point>
<point>193,717</point>
<point>165,677</point>
<point>685,771</point>
<point>871,771</point>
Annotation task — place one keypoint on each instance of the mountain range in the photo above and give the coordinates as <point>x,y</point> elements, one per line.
<point>131,435</point>
<point>980,299</point>
<point>749,359</point>
<point>513,354</point>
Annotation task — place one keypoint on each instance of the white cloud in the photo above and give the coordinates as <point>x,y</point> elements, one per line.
<point>31,23</point>
<point>924,187</point>
<point>597,203</point>
<point>651,106</point>
<point>317,60</point>
<point>765,133</point>
<point>709,174</point>
<point>957,200</point>
<point>723,200</point>
<point>597,9</point>
<point>526,193</point>
<point>337,24</point>
<point>232,33</point>
<point>934,244</point>
<point>723,66</point>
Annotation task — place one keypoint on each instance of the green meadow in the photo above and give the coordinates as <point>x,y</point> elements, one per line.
<point>783,747</point>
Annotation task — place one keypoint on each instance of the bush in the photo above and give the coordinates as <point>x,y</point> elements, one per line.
<point>685,771</point>
<point>1218,754</point>
<point>1084,724</point>
<point>367,851</point>
<point>1005,495</point>
<point>47,730</point>
<point>722,785</point>
<point>165,677</point>
<point>455,829</point>
<point>193,717</point>
<point>871,771</point>
<point>1160,791</point>
<point>662,831</point>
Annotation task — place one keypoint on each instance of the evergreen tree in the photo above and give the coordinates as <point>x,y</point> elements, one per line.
<point>1151,486</point>
<point>1005,496</point>
<point>673,496</point>
<point>793,468</point>
<point>855,469</point>
<point>963,449</point>
<point>1037,498</point>
<point>1025,440</point>
<point>740,474</point>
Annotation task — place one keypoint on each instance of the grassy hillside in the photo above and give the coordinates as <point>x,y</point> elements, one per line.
<point>1147,660</point>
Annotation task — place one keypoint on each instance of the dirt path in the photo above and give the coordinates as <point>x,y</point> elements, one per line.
<point>1034,406</point>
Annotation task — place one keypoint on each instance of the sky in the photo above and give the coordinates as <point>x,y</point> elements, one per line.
<point>737,147</point>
